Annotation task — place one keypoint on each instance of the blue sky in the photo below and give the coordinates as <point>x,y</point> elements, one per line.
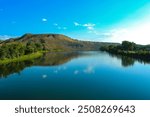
<point>96,20</point>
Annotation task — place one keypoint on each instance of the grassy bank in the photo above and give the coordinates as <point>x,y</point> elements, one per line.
<point>22,58</point>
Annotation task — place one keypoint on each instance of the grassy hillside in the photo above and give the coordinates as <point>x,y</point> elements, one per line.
<point>56,42</point>
<point>30,44</point>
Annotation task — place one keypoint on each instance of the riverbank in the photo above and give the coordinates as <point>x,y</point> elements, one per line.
<point>138,55</point>
<point>129,49</point>
<point>22,58</point>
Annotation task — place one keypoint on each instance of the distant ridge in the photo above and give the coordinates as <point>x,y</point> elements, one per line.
<point>57,41</point>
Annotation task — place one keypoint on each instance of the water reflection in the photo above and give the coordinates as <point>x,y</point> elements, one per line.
<point>89,70</point>
<point>53,59</point>
<point>56,59</point>
<point>16,67</point>
<point>125,61</point>
<point>76,75</point>
<point>129,61</point>
<point>48,59</point>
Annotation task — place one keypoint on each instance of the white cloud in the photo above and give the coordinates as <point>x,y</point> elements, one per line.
<point>135,28</point>
<point>89,25</point>
<point>139,34</point>
<point>90,28</point>
<point>44,20</point>
<point>76,24</point>
<point>59,27</point>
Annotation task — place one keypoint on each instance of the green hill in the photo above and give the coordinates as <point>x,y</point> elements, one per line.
<point>32,45</point>
<point>56,42</point>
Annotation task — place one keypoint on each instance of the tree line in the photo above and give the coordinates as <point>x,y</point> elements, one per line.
<point>129,49</point>
<point>15,50</point>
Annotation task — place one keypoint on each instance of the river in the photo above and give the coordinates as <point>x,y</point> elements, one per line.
<point>89,75</point>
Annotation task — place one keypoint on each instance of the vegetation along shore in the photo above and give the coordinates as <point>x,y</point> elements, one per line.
<point>31,46</point>
<point>130,49</point>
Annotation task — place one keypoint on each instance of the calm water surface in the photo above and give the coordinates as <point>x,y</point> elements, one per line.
<point>76,75</point>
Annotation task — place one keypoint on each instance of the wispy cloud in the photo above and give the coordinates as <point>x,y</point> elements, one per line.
<point>139,34</point>
<point>134,28</point>
<point>89,26</point>
<point>76,24</point>
<point>44,19</point>
<point>60,27</point>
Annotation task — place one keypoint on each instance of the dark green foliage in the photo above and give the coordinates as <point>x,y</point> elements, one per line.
<point>129,49</point>
<point>11,50</point>
<point>18,49</point>
<point>30,48</point>
<point>129,46</point>
<point>3,53</point>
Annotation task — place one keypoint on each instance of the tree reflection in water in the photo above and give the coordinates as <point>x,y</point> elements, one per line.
<point>129,61</point>
<point>53,59</point>
<point>48,59</point>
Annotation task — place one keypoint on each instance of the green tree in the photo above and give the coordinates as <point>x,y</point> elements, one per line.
<point>129,46</point>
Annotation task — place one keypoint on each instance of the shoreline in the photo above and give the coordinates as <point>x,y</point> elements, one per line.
<point>26,57</point>
<point>22,58</point>
<point>134,55</point>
